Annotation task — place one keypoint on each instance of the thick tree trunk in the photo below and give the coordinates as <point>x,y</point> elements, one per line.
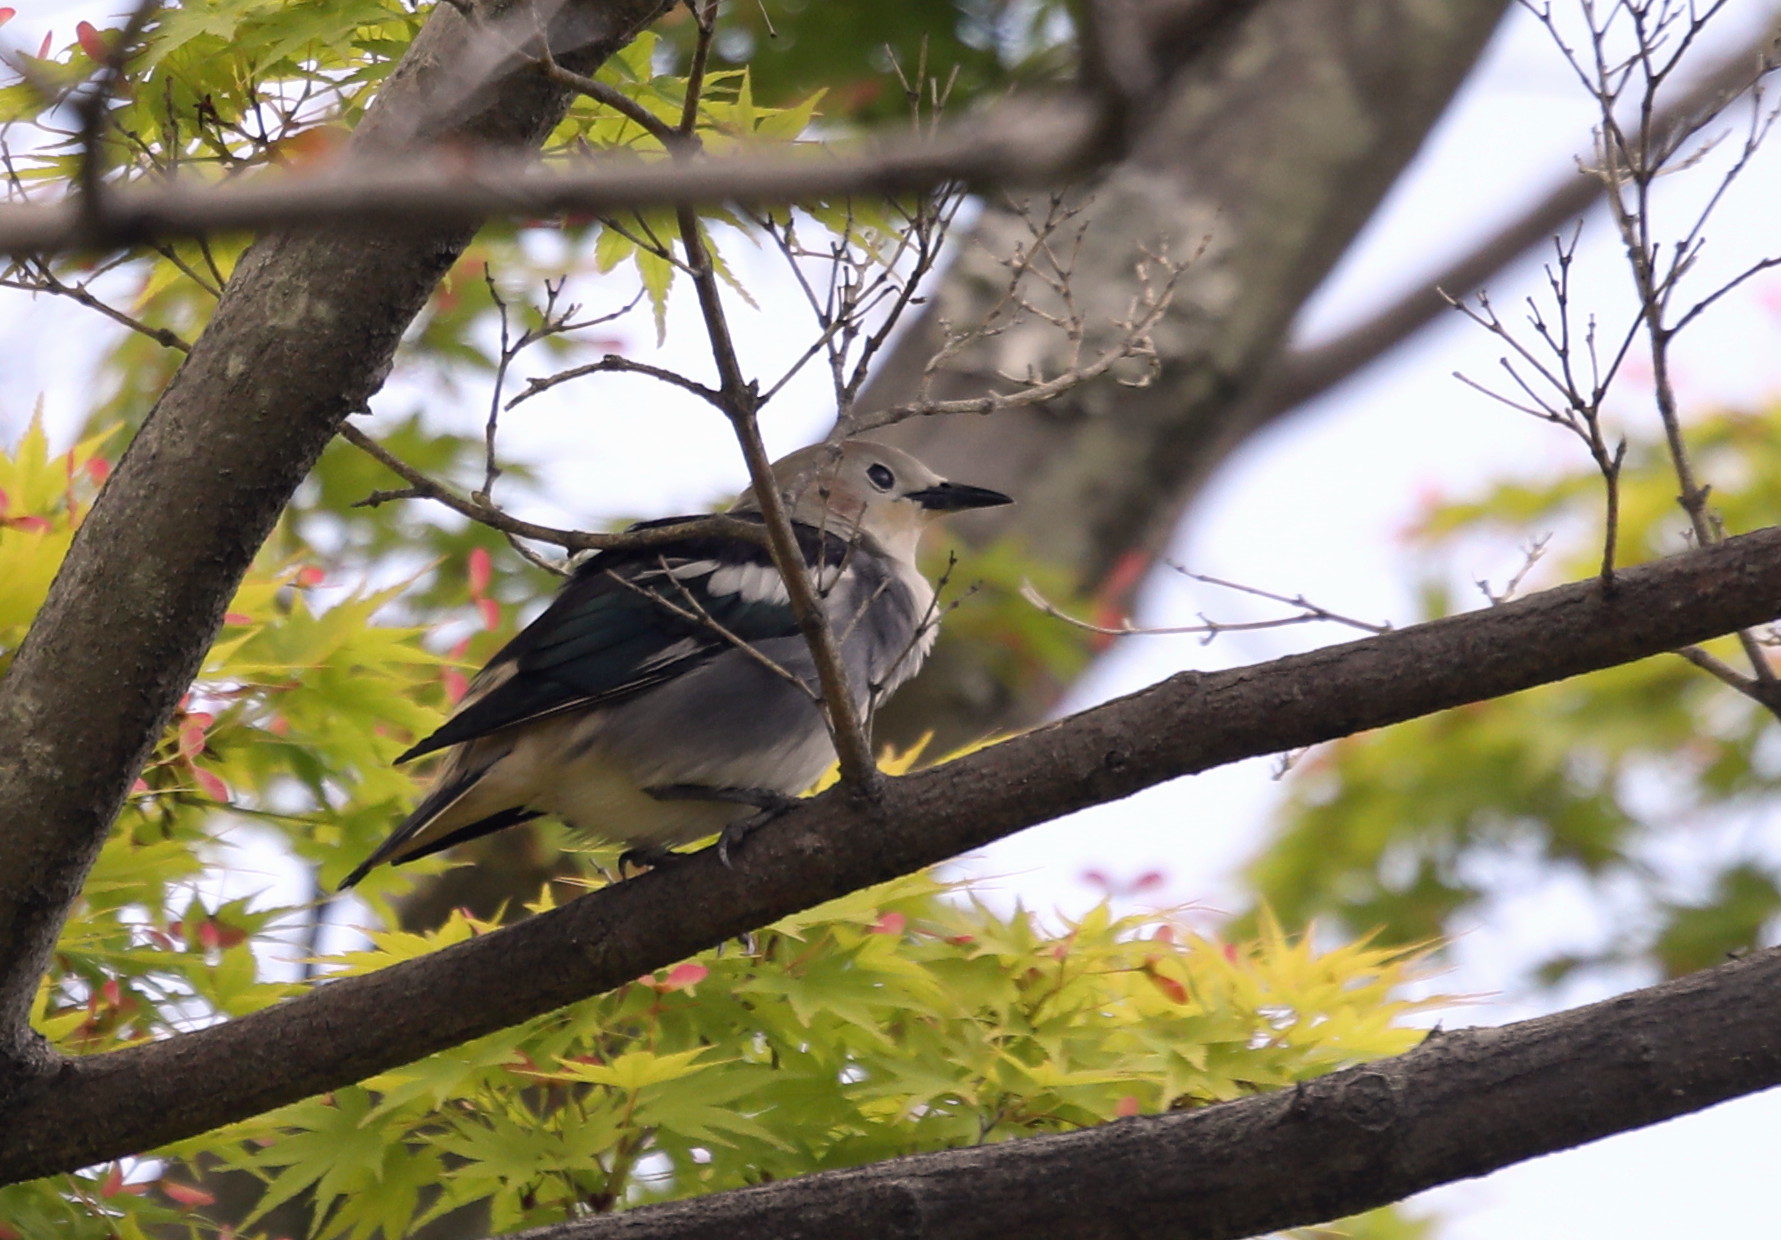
<point>1266,161</point>
<point>303,335</point>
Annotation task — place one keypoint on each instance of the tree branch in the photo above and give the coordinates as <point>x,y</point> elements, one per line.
<point>66,1113</point>
<point>1460,1105</point>
<point>1024,142</point>
<point>1037,138</point>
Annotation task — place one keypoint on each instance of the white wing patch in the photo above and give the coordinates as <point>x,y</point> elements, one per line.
<point>752,583</point>
<point>691,569</point>
<point>924,638</point>
<point>486,682</point>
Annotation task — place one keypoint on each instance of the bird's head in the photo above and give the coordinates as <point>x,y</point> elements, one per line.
<point>877,490</point>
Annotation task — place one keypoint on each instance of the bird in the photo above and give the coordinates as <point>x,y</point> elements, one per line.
<point>667,694</point>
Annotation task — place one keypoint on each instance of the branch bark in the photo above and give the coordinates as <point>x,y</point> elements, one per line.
<point>303,334</point>
<point>1462,1104</point>
<point>68,1113</point>
<point>1034,141</point>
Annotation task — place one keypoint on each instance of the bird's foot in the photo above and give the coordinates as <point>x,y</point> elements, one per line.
<point>646,858</point>
<point>759,798</point>
<point>766,801</point>
<point>731,837</point>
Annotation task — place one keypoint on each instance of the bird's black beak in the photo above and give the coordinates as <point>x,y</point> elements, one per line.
<point>953,496</point>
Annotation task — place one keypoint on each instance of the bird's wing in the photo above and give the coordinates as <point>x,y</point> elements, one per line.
<point>628,620</point>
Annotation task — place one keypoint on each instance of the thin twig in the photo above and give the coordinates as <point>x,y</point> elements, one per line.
<point>420,486</point>
<point>670,137</point>
<point>1134,341</point>
<point>1718,669</point>
<point>553,320</point>
<point>45,281</point>
<point>613,362</point>
<point>171,254</point>
<point>1531,555</point>
<point>696,613</point>
<point>741,398</point>
<point>1207,629</point>
<point>1632,152</point>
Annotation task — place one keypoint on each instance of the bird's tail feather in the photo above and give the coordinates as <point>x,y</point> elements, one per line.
<point>401,846</point>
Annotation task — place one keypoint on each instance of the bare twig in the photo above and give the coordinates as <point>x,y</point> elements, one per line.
<point>43,280</point>
<point>1574,404</point>
<point>490,470</point>
<point>705,17</point>
<point>670,137</point>
<point>525,551</point>
<point>1207,629</point>
<point>1297,600</point>
<point>420,486</point>
<point>212,284</point>
<point>697,613</point>
<point>613,362</point>
<point>554,319</point>
<point>1531,555</point>
<point>1632,152</point>
<point>1133,340</point>
<point>1716,668</point>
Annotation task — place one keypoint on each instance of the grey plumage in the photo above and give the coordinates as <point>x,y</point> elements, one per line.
<point>653,703</point>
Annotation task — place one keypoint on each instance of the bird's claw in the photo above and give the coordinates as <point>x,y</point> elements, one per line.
<point>733,835</point>
<point>652,858</point>
<point>759,798</point>
<point>768,803</point>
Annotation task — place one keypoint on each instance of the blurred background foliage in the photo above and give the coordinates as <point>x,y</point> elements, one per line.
<point>1597,782</point>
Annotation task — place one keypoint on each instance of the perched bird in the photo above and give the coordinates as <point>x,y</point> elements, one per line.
<point>666,693</point>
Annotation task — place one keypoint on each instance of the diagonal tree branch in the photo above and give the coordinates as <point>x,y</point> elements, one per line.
<point>421,486</point>
<point>69,1113</point>
<point>1038,138</point>
<point>1460,1105</point>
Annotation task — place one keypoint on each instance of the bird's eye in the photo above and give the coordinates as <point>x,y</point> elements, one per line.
<point>881,477</point>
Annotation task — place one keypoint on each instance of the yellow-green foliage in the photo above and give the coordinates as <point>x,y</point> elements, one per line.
<point>292,723</point>
<point>898,1019</point>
